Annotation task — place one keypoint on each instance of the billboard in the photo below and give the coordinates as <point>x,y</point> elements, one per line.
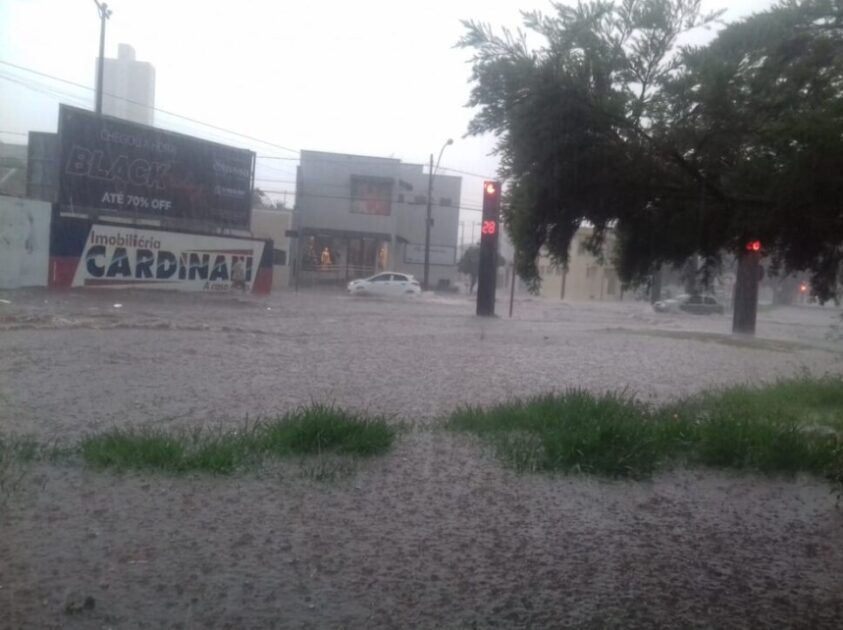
<point>108,165</point>
<point>42,173</point>
<point>89,254</point>
<point>439,254</point>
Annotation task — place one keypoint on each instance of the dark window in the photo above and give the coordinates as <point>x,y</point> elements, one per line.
<point>371,195</point>
<point>420,199</point>
<point>279,257</point>
<point>397,277</point>
<point>381,278</point>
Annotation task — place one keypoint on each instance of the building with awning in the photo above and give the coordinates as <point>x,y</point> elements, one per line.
<point>358,215</point>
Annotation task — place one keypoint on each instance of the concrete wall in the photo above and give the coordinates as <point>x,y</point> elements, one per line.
<point>274,224</point>
<point>24,242</point>
<point>586,278</point>
<point>324,199</point>
<point>411,224</point>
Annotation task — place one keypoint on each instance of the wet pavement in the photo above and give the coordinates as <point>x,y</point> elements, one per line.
<point>435,534</point>
<point>75,362</point>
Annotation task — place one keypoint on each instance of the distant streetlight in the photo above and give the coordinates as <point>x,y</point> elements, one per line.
<point>105,13</point>
<point>429,210</point>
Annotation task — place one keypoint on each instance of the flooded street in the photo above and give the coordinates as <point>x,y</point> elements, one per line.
<point>437,533</point>
<point>74,363</point>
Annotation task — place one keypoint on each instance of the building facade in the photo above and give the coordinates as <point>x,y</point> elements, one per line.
<point>358,215</point>
<point>128,87</point>
<point>586,277</point>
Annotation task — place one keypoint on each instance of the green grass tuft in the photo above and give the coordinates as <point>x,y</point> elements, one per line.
<point>307,431</point>
<point>610,434</point>
<point>149,449</point>
<point>786,427</point>
<point>321,428</point>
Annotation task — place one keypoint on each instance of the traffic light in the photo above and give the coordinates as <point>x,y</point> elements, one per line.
<point>753,246</point>
<point>487,275</point>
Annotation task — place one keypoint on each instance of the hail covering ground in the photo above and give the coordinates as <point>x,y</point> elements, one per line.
<point>436,533</point>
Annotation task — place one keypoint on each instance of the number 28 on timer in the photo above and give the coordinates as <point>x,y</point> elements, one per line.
<point>489,227</point>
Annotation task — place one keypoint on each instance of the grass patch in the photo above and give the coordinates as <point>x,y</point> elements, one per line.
<point>307,431</point>
<point>790,426</point>
<point>131,448</point>
<point>609,434</point>
<point>319,429</point>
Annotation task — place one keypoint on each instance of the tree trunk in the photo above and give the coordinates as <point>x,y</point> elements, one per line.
<point>746,294</point>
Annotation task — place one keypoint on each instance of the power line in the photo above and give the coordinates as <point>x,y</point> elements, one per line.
<point>358,158</point>
<point>200,122</point>
<point>15,133</point>
<point>157,109</point>
<point>343,198</point>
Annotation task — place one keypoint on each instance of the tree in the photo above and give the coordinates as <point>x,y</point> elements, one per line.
<point>469,264</point>
<point>683,151</point>
<point>261,200</point>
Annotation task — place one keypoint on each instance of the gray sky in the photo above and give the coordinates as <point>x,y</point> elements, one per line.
<point>373,77</point>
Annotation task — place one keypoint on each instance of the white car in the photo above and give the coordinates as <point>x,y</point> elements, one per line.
<point>388,283</point>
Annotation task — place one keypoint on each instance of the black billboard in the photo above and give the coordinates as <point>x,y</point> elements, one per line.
<point>108,165</point>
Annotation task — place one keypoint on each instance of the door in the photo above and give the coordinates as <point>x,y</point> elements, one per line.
<point>380,284</point>
<point>400,284</point>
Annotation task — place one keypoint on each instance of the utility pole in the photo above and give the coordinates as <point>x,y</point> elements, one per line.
<point>512,287</point>
<point>105,13</point>
<point>427,226</point>
<point>429,218</point>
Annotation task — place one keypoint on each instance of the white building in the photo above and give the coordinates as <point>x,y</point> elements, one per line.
<point>128,87</point>
<point>358,215</point>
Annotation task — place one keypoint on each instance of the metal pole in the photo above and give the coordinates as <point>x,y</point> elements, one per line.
<point>512,288</point>
<point>427,226</point>
<point>433,170</point>
<point>104,15</point>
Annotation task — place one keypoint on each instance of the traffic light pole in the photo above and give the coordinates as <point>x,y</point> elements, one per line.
<point>746,293</point>
<point>487,275</point>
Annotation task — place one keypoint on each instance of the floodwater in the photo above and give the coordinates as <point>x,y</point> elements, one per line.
<point>75,362</point>
<point>434,534</point>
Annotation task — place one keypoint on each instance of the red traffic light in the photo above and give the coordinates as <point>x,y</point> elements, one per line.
<point>490,188</point>
<point>753,246</point>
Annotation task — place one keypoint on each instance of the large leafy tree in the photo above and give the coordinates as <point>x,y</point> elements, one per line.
<point>684,151</point>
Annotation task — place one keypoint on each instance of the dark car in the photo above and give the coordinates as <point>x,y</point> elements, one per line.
<point>694,304</point>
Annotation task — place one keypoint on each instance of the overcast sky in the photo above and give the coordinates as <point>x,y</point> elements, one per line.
<point>372,77</point>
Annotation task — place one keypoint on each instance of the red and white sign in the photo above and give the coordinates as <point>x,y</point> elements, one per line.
<point>120,257</point>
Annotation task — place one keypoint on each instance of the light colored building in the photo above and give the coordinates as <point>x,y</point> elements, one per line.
<point>128,87</point>
<point>357,215</point>
<point>586,277</point>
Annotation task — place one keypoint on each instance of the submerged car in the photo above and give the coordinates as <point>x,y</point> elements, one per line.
<point>694,304</point>
<point>388,283</point>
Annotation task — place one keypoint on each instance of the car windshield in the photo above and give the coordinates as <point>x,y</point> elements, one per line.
<point>391,314</point>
